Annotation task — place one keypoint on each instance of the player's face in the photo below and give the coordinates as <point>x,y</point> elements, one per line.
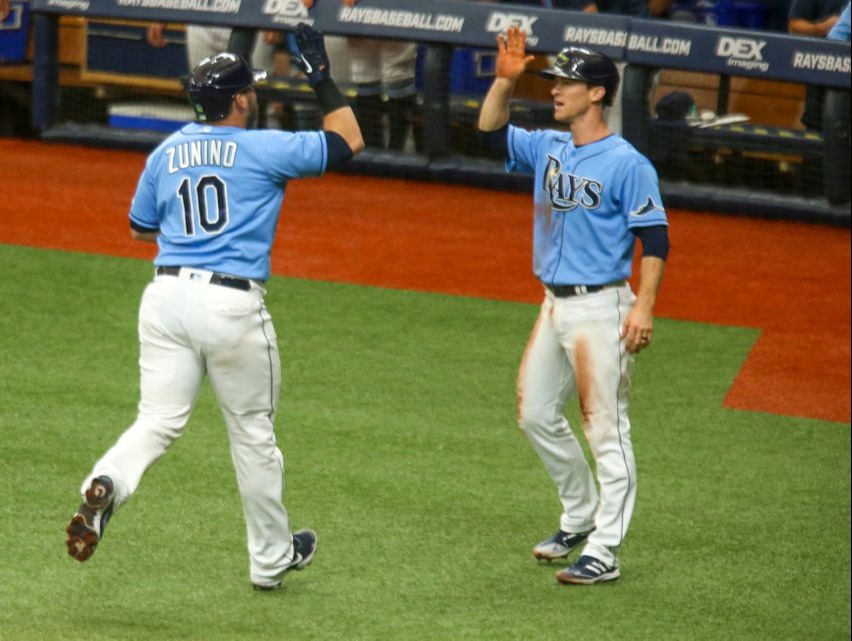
<point>571,99</point>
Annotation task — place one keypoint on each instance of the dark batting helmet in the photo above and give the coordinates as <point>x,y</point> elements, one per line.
<point>215,82</point>
<point>575,63</point>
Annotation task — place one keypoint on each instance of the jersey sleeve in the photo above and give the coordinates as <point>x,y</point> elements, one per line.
<point>522,150</point>
<point>144,216</point>
<point>297,154</point>
<point>641,196</point>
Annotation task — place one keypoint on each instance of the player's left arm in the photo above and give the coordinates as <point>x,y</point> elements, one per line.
<point>647,221</point>
<point>145,237</point>
<point>339,122</point>
<point>144,220</point>
<point>638,329</point>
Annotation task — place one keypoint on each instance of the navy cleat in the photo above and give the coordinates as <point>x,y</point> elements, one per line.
<point>588,570</point>
<point>88,524</point>
<point>560,545</point>
<point>304,549</point>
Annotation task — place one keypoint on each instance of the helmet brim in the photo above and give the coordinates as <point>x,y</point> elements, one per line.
<point>257,75</point>
<point>553,74</point>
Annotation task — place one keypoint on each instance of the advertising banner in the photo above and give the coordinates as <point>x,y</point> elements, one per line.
<point>662,43</point>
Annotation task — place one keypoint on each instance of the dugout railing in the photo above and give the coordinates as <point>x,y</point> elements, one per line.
<point>646,46</point>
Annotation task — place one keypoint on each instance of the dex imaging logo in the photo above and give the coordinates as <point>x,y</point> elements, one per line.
<point>743,53</point>
<point>287,12</point>
<point>499,22</point>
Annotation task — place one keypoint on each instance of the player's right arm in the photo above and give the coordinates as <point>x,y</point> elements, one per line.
<point>512,61</point>
<point>342,122</point>
<point>4,9</point>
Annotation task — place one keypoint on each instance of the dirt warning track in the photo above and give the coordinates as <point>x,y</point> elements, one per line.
<point>790,280</point>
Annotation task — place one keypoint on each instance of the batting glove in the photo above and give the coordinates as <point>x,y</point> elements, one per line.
<point>307,47</point>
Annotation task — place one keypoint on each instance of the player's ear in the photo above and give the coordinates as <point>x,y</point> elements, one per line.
<point>241,103</point>
<point>597,93</point>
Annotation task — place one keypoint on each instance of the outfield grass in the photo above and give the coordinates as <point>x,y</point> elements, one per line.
<point>397,423</point>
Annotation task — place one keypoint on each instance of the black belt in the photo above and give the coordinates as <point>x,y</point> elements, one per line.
<point>216,279</point>
<point>566,291</point>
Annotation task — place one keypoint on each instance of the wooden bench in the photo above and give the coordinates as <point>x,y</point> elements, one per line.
<point>73,60</point>
<point>772,132</point>
<point>766,102</point>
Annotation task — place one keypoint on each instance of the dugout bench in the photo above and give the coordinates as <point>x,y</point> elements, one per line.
<point>675,142</point>
<point>644,45</point>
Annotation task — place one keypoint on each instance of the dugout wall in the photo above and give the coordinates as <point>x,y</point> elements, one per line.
<point>752,157</point>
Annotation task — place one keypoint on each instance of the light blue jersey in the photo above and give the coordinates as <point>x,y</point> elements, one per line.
<point>586,200</point>
<point>215,193</point>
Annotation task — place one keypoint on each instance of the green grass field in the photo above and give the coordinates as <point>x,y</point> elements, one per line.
<point>398,425</point>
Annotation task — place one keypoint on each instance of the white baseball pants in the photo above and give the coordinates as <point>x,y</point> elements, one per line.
<point>576,347</point>
<point>189,328</point>
<point>389,62</point>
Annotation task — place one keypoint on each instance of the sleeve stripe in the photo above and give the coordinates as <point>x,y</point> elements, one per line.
<point>141,228</point>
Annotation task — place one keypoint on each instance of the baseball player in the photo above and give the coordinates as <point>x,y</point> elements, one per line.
<point>594,195</point>
<point>210,197</point>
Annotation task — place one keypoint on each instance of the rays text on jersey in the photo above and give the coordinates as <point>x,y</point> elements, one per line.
<point>201,153</point>
<point>567,191</point>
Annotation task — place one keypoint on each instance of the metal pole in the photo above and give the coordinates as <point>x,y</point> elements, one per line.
<point>436,100</point>
<point>45,71</point>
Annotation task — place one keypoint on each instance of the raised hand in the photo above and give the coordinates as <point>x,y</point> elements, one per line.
<point>512,60</point>
<point>309,54</point>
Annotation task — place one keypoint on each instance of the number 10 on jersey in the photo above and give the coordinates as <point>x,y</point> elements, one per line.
<point>209,207</point>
